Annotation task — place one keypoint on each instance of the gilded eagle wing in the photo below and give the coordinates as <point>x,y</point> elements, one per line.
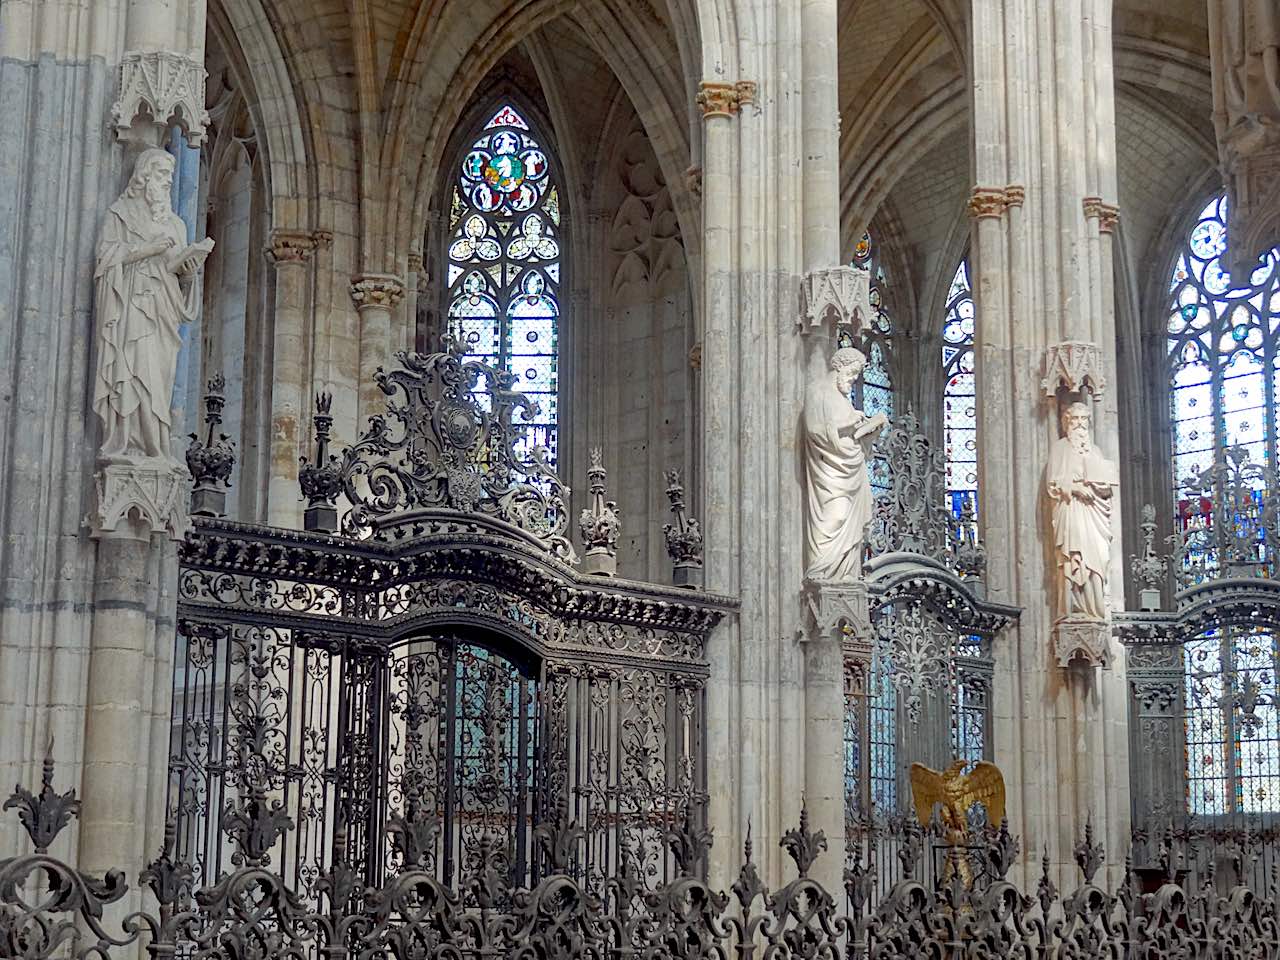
<point>927,789</point>
<point>984,784</point>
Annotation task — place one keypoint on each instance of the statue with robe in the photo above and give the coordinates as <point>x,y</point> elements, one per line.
<point>1081,485</point>
<point>837,446</point>
<point>144,290</point>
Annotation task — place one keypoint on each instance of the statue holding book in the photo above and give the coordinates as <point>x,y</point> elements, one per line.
<point>837,448</point>
<point>144,290</point>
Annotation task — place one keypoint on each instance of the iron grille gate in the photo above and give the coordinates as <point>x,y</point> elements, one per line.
<point>423,687</point>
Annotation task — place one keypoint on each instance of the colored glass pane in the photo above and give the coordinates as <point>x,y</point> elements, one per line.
<point>874,393</point>
<point>959,393</point>
<point>1223,356</point>
<point>503,256</point>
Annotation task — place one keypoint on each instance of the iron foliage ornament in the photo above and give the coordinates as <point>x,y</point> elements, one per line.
<point>48,909</point>
<point>453,439</point>
<point>213,459</point>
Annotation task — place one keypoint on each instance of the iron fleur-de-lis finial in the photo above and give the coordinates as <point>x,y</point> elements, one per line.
<point>43,815</point>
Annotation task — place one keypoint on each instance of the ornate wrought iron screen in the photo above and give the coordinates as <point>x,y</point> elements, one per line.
<point>438,678</point>
<point>918,689</point>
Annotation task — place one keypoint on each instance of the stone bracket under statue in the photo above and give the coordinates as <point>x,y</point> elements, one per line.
<point>1081,487</point>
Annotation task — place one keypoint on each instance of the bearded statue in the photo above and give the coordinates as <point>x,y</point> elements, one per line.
<point>144,289</point>
<point>1081,484</point>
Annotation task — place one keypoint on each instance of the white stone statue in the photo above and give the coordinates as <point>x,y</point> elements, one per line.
<point>144,290</point>
<point>1081,485</point>
<point>837,445</point>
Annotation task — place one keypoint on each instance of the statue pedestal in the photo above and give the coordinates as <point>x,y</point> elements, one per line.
<point>837,609</point>
<point>1082,638</point>
<point>599,562</point>
<point>140,496</point>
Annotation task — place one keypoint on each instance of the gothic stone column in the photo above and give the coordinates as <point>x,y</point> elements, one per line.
<point>376,296</point>
<point>1044,147</point>
<point>70,72</point>
<point>290,251</point>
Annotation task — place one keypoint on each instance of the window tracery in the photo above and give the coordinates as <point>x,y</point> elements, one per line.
<point>504,263</point>
<point>959,394</point>
<point>1223,359</point>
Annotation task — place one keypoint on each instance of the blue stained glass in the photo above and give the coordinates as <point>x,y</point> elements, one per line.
<point>874,393</point>
<point>506,216</point>
<point>959,400</point>
<point>1224,372</point>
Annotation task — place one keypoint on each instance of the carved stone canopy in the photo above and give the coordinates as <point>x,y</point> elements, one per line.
<point>835,296</point>
<point>1074,365</point>
<point>139,498</point>
<point>167,87</point>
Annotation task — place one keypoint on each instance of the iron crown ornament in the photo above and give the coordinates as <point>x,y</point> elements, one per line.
<point>454,439</point>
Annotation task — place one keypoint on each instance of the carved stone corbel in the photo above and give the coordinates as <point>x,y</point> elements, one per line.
<point>1074,365</point>
<point>835,296</point>
<point>168,87</point>
<point>137,499</point>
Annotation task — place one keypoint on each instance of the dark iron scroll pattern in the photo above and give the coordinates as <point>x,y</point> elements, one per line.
<point>49,909</point>
<point>451,440</point>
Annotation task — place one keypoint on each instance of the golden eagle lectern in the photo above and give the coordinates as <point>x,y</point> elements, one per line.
<point>956,792</point>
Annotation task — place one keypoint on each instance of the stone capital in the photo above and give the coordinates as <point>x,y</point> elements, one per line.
<point>835,296</point>
<point>376,290</point>
<point>987,202</point>
<point>744,92</point>
<point>291,246</point>
<point>717,99</point>
<point>836,610</point>
<point>1015,195</point>
<point>167,87</point>
<point>136,498</point>
<point>1074,364</point>
<point>1107,214</point>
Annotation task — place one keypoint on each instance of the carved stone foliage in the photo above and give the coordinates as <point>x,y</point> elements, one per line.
<point>254,911</point>
<point>599,524</point>
<point>835,296</point>
<point>684,535</point>
<point>211,460</point>
<point>451,439</point>
<point>164,86</point>
<point>376,290</point>
<point>1244,37</point>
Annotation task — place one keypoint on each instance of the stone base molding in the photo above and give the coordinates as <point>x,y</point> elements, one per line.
<point>167,86</point>
<point>835,296</point>
<point>1078,638</point>
<point>136,499</point>
<point>1073,364</point>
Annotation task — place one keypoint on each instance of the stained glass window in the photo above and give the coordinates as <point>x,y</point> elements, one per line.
<point>503,258</point>
<point>1224,371</point>
<point>959,394</point>
<point>874,392</point>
